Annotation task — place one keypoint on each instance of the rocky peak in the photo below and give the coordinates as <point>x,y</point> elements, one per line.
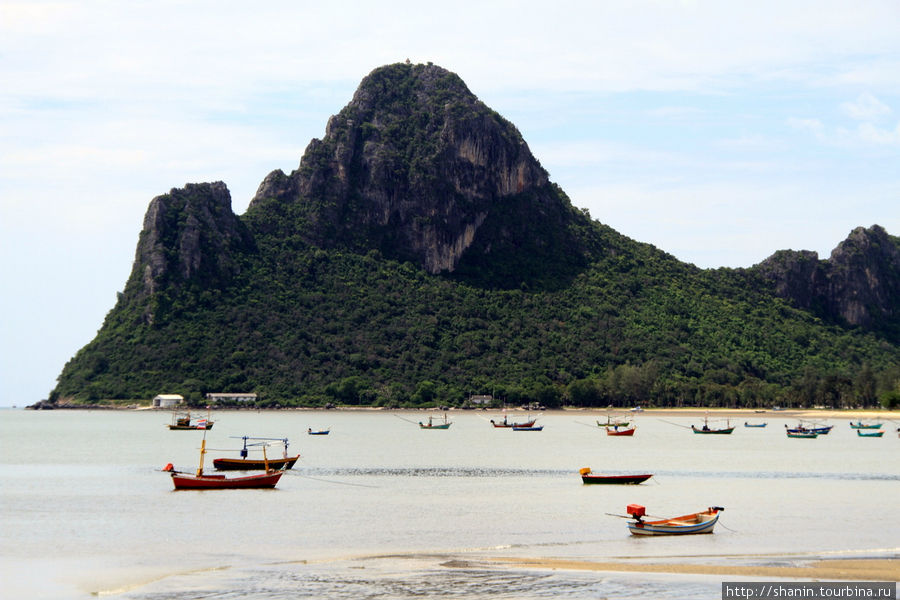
<point>859,284</point>
<point>413,166</point>
<point>190,235</point>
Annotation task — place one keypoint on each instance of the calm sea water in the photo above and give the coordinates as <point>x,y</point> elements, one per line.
<point>382,509</point>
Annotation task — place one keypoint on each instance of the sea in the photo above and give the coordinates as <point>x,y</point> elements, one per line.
<point>381,509</point>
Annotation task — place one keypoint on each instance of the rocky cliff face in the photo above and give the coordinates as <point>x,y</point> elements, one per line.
<point>859,284</point>
<point>414,166</point>
<point>190,237</point>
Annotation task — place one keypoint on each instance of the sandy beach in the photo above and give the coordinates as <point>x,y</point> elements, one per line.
<point>838,569</point>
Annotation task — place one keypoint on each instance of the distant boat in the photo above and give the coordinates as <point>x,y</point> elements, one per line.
<point>700,522</point>
<point>506,423</point>
<point>432,425</point>
<point>617,431</point>
<point>589,477</point>
<point>202,481</point>
<point>181,420</point>
<point>613,422</point>
<point>535,428</point>
<point>707,429</point>
<point>746,424</point>
<point>861,425</point>
<point>820,430</point>
<point>861,433</point>
<point>319,432</point>
<point>256,464</point>
<point>803,435</point>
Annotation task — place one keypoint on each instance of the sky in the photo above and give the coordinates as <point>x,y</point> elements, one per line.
<point>719,132</point>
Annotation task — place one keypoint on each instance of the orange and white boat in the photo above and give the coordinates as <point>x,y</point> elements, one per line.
<point>700,522</point>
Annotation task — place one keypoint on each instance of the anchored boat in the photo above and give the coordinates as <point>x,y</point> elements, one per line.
<point>700,522</point>
<point>244,463</point>
<point>589,477</point>
<point>202,481</point>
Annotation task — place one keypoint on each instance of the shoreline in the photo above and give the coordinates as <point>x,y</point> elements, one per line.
<point>846,569</point>
<point>694,412</point>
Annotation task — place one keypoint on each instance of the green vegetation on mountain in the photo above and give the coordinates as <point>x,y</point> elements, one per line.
<point>420,254</point>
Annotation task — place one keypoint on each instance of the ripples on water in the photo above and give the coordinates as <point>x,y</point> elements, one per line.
<point>506,472</point>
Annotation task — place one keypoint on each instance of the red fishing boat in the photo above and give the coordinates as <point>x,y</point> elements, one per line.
<point>617,431</point>
<point>202,481</point>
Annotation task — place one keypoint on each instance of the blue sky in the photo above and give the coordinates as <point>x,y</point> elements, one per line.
<point>717,131</point>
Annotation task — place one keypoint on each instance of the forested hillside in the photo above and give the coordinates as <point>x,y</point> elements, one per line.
<point>420,254</point>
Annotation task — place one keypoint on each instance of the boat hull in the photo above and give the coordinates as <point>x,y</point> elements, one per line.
<point>325,432</point>
<point>442,426</point>
<point>698,523</point>
<point>615,479</point>
<point>610,431</point>
<point>802,435</point>
<point>725,431</point>
<point>187,427</point>
<point>865,426</point>
<point>537,428</point>
<point>506,425</point>
<point>185,481</point>
<point>253,464</point>
<point>869,433</point>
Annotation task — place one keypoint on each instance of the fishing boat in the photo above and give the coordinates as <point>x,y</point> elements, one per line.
<point>432,425</point>
<point>746,424</point>
<point>319,432</point>
<point>861,425</point>
<point>589,477</point>
<point>181,420</point>
<point>862,433</point>
<point>801,428</point>
<point>202,481</point>
<point>617,431</point>
<point>803,435</point>
<point>244,463</point>
<point>707,429</point>
<point>612,421</point>
<point>506,423</point>
<point>700,522</point>
<point>533,428</point>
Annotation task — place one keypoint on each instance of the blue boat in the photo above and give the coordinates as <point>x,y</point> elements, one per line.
<point>746,424</point>
<point>537,428</point>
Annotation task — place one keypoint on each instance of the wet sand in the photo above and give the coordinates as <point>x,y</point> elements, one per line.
<point>858,569</point>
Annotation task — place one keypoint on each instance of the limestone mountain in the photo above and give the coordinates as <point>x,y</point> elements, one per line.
<point>858,285</point>
<point>418,168</point>
<point>420,253</point>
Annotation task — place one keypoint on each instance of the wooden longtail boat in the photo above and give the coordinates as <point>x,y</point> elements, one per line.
<point>589,477</point>
<point>801,428</point>
<point>617,431</point>
<point>256,464</point>
<point>861,425</point>
<point>506,423</point>
<point>803,435</point>
<point>701,522</point>
<point>181,421</point>
<point>319,432</point>
<point>432,425</point>
<point>202,481</point>
<point>613,422</point>
<point>533,428</point>
<point>709,430</point>
<point>861,433</point>
<point>746,424</point>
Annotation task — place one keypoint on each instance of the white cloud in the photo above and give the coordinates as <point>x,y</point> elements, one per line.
<point>866,108</point>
